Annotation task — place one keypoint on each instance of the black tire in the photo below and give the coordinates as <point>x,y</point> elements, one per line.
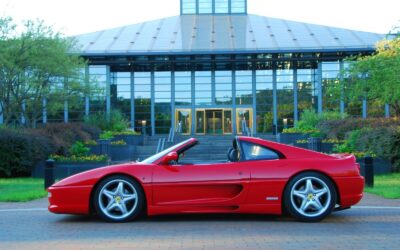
<point>309,197</point>
<point>118,198</point>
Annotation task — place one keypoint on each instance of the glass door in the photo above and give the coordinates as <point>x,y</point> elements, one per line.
<point>227,121</point>
<point>244,118</point>
<point>200,121</point>
<point>183,121</point>
<point>214,121</point>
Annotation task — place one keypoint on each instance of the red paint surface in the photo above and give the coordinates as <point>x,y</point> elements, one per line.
<point>231,187</point>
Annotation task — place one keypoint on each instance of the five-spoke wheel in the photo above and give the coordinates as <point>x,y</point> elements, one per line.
<point>118,199</point>
<point>310,197</point>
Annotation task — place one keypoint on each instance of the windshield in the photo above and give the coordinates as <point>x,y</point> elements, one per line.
<point>155,157</point>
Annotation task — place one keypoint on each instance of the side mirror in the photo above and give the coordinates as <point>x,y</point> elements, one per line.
<point>171,156</point>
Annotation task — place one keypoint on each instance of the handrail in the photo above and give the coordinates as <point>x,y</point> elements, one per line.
<point>160,145</point>
<point>171,135</point>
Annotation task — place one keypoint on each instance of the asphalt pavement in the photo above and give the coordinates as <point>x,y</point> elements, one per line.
<point>372,224</point>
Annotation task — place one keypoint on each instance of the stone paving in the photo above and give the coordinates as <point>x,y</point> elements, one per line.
<point>373,224</point>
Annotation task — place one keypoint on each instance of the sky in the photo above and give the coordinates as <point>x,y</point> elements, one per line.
<point>73,17</point>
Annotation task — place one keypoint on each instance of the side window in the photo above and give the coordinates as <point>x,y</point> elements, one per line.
<point>257,152</point>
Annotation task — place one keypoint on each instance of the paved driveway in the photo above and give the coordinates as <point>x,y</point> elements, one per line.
<point>373,224</point>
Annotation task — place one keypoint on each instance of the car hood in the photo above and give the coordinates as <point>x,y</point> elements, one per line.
<point>91,177</point>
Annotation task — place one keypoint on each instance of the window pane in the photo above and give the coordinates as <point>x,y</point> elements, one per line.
<point>257,152</point>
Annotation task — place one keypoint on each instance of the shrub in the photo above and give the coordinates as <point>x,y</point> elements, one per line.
<point>125,132</point>
<point>382,142</point>
<point>337,129</point>
<point>20,151</point>
<point>64,135</point>
<point>119,143</point>
<point>74,158</point>
<point>90,143</point>
<point>115,122</point>
<point>79,149</point>
<point>106,135</point>
<point>310,121</point>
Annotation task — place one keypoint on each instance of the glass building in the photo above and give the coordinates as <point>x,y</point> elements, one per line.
<point>214,67</point>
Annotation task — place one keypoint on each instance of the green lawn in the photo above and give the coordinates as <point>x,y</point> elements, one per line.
<point>21,189</point>
<point>387,186</point>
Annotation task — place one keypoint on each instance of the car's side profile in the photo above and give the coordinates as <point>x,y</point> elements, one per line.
<point>260,176</point>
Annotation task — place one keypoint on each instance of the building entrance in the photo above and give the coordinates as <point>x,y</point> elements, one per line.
<point>214,121</point>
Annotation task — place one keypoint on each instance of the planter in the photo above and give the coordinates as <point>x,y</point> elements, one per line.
<point>381,166</point>
<point>327,147</point>
<point>122,152</point>
<point>38,170</point>
<point>65,169</point>
<point>133,140</point>
<point>290,138</point>
<point>301,145</point>
<point>102,148</point>
<point>315,144</point>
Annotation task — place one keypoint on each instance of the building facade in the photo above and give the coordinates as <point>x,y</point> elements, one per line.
<point>215,68</point>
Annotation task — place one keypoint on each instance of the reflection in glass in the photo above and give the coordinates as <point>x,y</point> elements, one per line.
<point>183,121</point>
<point>200,121</point>
<point>244,118</point>
<point>227,121</point>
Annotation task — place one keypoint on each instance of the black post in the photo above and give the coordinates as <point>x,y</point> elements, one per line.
<point>315,144</point>
<point>49,173</point>
<point>369,171</point>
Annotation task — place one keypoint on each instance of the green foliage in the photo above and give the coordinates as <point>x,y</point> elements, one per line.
<point>125,132</point>
<point>118,143</point>
<point>20,151</point>
<point>373,77</point>
<point>90,143</point>
<point>79,149</point>
<point>114,122</point>
<point>337,129</point>
<point>106,135</point>
<point>310,121</point>
<point>34,61</point>
<point>64,135</point>
<point>21,189</point>
<point>75,158</point>
<point>382,142</point>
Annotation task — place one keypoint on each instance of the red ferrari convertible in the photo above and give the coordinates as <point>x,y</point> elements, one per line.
<point>259,176</point>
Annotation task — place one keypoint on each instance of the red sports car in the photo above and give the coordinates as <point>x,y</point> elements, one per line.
<point>259,176</point>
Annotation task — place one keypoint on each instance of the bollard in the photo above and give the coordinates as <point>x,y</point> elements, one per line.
<point>49,173</point>
<point>369,171</point>
<point>315,144</point>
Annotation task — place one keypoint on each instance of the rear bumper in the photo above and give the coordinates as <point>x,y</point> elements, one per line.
<point>350,190</point>
<point>69,200</point>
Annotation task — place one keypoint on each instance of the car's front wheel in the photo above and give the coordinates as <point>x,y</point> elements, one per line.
<point>310,197</point>
<point>118,199</point>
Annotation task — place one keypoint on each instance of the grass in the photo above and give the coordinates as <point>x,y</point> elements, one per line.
<point>21,189</point>
<point>387,186</point>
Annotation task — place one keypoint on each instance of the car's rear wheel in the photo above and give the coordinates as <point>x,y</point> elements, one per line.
<point>310,197</point>
<point>118,199</point>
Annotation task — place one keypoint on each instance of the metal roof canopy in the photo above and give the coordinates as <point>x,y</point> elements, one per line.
<point>221,34</point>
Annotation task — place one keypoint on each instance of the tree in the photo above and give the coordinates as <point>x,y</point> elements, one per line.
<point>375,78</point>
<point>36,65</point>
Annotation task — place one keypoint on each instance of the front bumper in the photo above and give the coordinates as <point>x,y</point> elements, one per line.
<point>69,200</point>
